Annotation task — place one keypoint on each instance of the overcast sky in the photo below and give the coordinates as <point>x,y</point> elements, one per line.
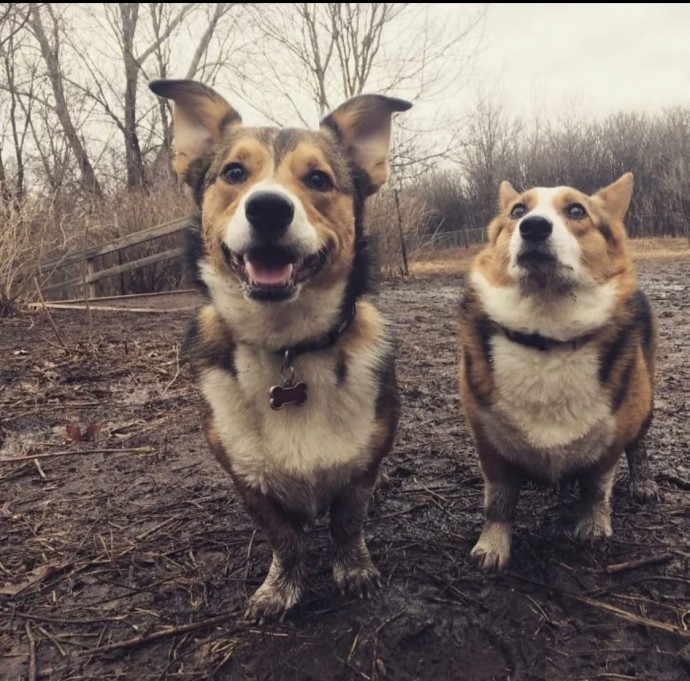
<point>607,56</point>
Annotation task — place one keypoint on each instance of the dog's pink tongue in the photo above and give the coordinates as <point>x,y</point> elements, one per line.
<point>268,275</point>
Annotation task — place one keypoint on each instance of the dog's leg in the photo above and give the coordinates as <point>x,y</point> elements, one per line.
<point>492,550</point>
<point>596,486</point>
<point>501,491</point>
<point>642,486</point>
<point>284,584</point>
<point>353,569</point>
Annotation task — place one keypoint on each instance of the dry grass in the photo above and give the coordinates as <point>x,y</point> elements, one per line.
<point>660,248</point>
<point>27,233</point>
<point>447,261</point>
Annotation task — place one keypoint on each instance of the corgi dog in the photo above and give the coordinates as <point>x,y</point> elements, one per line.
<point>557,358</point>
<point>295,365</point>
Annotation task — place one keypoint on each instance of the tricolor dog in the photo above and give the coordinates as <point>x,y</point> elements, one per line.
<point>294,364</point>
<point>557,356</point>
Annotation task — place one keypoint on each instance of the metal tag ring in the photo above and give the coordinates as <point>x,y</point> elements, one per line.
<point>287,373</point>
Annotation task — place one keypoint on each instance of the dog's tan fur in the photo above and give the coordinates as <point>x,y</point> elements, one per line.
<point>573,409</point>
<point>291,465</point>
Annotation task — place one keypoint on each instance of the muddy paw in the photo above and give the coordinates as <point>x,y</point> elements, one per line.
<point>644,490</point>
<point>356,580</point>
<point>593,527</point>
<point>271,600</point>
<point>492,550</point>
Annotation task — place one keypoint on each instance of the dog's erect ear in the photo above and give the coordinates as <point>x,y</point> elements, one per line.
<point>363,126</point>
<point>506,194</point>
<point>199,117</point>
<point>615,199</point>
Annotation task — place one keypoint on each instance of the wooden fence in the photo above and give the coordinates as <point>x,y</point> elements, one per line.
<point>53,277</point>
<point>89,259</point>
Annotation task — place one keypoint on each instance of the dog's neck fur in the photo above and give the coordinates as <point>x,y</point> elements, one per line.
<point>561,318</point>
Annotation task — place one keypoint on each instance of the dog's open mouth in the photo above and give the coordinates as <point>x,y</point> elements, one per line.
<point>273,272</point>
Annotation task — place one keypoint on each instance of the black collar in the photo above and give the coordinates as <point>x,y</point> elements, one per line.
<point>324,342</point>
<point>538,342</point>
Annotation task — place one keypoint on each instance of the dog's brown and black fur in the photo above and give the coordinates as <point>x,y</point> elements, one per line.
<point>558,349</point>
<point>278,248</point>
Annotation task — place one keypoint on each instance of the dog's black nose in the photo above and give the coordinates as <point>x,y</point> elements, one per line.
<point>535,228</point>
<point>269,213</point>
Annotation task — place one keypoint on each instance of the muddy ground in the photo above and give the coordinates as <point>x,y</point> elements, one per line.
<point>134,561</point>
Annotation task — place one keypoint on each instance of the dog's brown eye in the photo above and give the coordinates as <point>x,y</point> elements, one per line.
<point>519,209</point>
<point>234,173</point>
<point>317,179</point>
<point>576,211</point>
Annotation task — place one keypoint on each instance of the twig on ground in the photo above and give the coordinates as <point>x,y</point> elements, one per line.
<point>631,616</point>
<point>353,647</point>
<point>163,633</point>
<point>249,555</point>
<point>388,621</point>
<point>32,653</point>
<point>177,370</point>
<point>52,455</point>
<point>54,640</point>
<point>60,620</point>
<point>640,562</point>
<point>149,532</point>
<point>39,469</point>
<point>674,479</point>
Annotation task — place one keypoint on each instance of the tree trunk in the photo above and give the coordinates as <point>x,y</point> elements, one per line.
<point>134,160</point>
<point>129,14</point>
<point>51,56</point>
<point>405,269</point>
<point>5,191</point>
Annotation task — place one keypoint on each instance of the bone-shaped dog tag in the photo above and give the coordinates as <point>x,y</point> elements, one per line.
<point>288,394</point>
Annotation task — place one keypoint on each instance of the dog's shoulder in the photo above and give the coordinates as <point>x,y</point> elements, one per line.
<point>476,331</point>
<point>209,342</point>
<point>194,253</point>
<point>627,350</point>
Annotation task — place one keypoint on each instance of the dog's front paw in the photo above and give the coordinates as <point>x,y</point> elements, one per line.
<point>644,490</point>
<point>273,598</point>
<point>492,550</point>
<point>593,526</point>
<point>359,579</point>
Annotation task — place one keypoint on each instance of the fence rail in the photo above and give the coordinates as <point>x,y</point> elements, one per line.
<point>89,257</point>
<point>439,239</point>
<point>91,274</point>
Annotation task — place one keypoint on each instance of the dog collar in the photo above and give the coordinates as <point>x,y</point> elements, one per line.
<point>292,392</point>
<point>543,343</point>
<point>324,342</point>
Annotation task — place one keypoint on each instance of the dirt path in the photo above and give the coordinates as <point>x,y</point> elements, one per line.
<point>119,564</point>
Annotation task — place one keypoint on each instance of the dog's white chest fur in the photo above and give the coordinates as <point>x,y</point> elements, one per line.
<point>552,415</point>
<point>334,428</point>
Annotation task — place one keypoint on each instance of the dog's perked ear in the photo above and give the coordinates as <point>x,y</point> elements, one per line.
<point>200,116</point>
<point>615,199</point>
<point>363,126</point>
<point>506,194</point>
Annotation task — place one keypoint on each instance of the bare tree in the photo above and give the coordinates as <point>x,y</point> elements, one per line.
<point>332,51</point>
<point>50,50</point>
<point>18,127</point>
<point>119,100</point>
<point>13,18</point>
<point>144,35</point>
